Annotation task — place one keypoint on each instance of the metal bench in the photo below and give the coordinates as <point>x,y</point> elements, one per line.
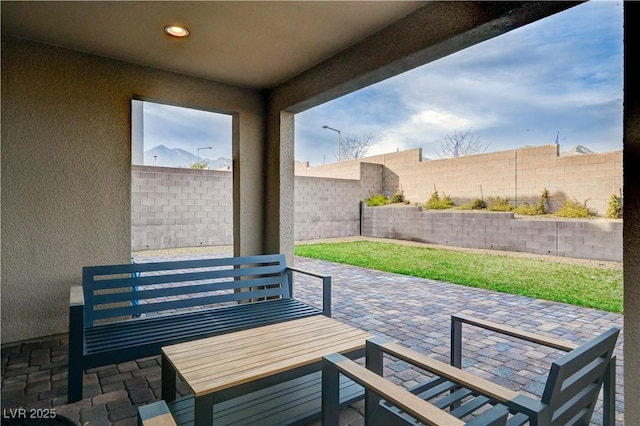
<point>129,311</point>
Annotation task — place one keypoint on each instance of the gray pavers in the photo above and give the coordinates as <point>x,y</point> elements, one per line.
<point>410,310</point>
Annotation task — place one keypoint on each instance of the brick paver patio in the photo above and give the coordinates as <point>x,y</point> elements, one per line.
<point>410,310</point>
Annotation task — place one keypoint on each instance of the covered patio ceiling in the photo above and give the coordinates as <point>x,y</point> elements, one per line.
<point>253,44</point>
<point>249,44</point>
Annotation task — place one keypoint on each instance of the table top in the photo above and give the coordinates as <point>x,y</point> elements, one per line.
<point>220,362</point>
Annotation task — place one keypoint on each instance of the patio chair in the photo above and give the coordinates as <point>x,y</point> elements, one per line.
<point>569,398</point>
<point>378,387</point>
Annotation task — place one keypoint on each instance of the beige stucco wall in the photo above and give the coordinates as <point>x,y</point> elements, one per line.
<point>66,165</point>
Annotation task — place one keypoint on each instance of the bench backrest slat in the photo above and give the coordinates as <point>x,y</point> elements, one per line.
<point>145,293</point>
<point>180,277</point>
<point>114,291</point>
<point>184,303</point>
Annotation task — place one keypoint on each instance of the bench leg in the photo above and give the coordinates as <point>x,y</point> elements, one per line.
<point>76,344</point>
<point>74,383</point>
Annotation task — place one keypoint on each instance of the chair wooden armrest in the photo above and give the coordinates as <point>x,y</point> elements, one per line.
<point>458,319</point>
<point>443,369</point>
<point>418,408</point>
<point>155,414</point>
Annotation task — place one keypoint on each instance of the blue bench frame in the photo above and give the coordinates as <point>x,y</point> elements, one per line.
<point>129,311</point>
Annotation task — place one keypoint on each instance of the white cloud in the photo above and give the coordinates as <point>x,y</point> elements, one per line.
<point>561,74</point>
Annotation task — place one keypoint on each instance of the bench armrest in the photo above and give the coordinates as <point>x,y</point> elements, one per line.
<point>76,343</point>
<point>155,414</point>
<point>326,287</point>
<point>76,296</point>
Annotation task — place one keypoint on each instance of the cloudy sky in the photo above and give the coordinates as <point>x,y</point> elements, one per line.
<point>187,129</point>
<point>559,77</point>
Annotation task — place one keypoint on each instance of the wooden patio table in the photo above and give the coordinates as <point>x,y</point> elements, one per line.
<point>211,365</point>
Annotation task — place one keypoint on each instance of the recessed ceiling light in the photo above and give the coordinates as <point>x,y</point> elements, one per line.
<point>176,31</point>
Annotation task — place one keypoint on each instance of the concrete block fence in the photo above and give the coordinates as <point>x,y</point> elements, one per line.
<point>598,239</point>
<point>173,207</point>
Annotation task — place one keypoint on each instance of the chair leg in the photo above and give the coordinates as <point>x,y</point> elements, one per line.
<point>456,342</point>
<point>330,394</point>
<point>609,395</point>
<point>373,362</point>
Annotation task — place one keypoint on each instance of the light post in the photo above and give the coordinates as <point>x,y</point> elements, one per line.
<point>206,147</point>
<point>339,141</point>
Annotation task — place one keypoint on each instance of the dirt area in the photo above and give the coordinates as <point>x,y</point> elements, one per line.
<point>547,258</point>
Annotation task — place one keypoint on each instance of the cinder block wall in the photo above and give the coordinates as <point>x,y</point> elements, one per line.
<point>326,208</point>
<point>172,207</point>
<point>186,208</point>
<point>519,175</point>
<point>592,239</point>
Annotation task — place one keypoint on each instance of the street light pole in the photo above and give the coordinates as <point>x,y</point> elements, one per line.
<point>339,142</point>
<point>206,147</point>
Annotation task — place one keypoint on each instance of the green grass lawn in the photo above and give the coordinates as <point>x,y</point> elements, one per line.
<point>599,288</point>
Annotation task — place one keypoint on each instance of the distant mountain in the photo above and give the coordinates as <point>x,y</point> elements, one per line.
<point>162,156</point>
<point>578,150</point>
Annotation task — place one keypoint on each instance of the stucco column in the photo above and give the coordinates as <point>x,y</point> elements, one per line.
<point>248,184</point>
<point>631,229</point>
<point>279,202</point>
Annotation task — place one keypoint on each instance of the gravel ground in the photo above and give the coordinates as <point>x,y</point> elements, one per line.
<point>547,258</point>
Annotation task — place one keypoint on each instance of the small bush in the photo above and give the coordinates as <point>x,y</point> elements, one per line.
<point>437,203</point>
<point>542,206</point>
<point>527,209</point>
<point>575,209</point>
<point>477,204</point>
<point>398,197</point>
<point>376,200</point>
<point>614,211</point>
<point>497,204</point>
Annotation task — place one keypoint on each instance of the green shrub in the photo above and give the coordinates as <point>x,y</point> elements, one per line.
<point>542,206</point>
<point>398,197</point>
<point>614,211</point>
<point>575,209</point>
<point>498,204</point>
<point>527,209</point>
<point>376,200</point>
<point>477,204</point>
<point>437,203</point>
